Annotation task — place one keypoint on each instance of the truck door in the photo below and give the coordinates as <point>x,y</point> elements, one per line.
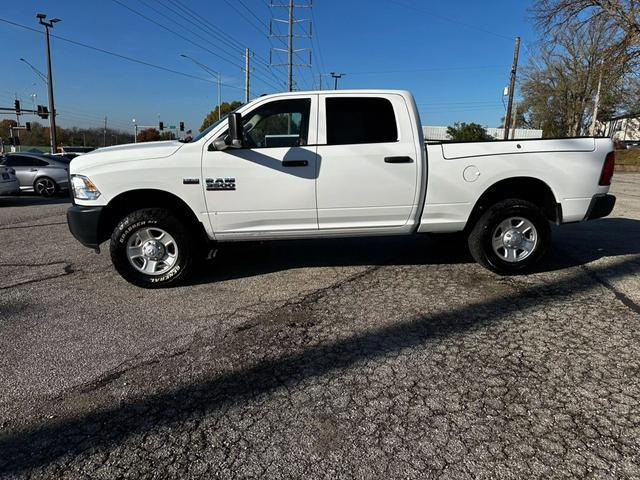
<point>367,161</point>
<point>268,185</point>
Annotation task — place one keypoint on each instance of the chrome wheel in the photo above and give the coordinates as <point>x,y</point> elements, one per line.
<point>514,239</point>
<point>45,187</point>
<point>152,251</point>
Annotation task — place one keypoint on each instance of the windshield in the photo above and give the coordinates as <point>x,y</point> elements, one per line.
<point>213,125</point>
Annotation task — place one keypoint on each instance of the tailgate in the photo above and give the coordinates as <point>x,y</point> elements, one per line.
<point>452,151</point>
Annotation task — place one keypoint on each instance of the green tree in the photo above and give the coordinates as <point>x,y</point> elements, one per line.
<point>225,109</point>
<point>468,132</point>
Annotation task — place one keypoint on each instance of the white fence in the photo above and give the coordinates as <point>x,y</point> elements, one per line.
<point>440,133</point>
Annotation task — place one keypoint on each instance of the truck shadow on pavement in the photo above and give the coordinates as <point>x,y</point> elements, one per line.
<point>574,244</point>
<point>97,431</point>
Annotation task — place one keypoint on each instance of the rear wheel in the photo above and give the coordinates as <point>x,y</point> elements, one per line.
<point>45,187</point>
<point>151,248</point>
<point>511,237</point>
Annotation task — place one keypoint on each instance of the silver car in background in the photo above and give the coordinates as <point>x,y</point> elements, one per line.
<point>43,174</point>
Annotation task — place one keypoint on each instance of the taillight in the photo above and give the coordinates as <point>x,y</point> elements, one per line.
<point>607,169</point>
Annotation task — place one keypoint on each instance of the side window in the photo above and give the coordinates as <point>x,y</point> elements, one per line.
<point>36,162</point>
<point>282,123</point>
<point>18,161</point>
<point>353,120</point>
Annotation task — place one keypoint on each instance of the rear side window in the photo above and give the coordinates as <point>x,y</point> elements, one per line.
<point>18,161</point>
<point>352,120</point>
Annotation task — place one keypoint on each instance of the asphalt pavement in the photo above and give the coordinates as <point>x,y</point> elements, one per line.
<point>350,358</point>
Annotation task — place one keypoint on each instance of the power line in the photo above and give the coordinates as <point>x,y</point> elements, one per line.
<point>249,21</point>
<point>114,54</point>
<point>451,20</point>
<point>177,34</point>
<point>192,24</point>
<point>219,35</point>
<point>432,69</point>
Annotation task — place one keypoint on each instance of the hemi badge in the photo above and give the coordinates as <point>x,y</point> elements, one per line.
<point>191,181</point>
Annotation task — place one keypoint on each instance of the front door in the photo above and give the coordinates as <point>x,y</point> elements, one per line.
<point>269,184</point>
<point>368,162</point>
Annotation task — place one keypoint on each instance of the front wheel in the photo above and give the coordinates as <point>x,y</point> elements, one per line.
<point>150,248</point>
<point>510,237</point>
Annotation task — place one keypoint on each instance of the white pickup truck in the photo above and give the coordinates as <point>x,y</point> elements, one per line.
<point>326,164</point>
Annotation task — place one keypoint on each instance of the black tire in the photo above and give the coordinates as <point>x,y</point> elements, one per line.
<point>45,187</point>
<point>150,219</point>
<point>480,238</point>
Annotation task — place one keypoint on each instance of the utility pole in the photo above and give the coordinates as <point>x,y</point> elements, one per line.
<point>596,106</point>
<point>290,36</point>
<point>512,86</point>
<point>336,76</point>
<point>246,75</point>
<point>52,109</point>
<point>514,121</point>
<point>104,133</point>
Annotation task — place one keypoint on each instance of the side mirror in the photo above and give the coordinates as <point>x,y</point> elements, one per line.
<point>236,131</point>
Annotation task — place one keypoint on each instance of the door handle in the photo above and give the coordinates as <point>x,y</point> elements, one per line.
<point>398,160</point>
<point>33,170</point>
<point>295,163</point>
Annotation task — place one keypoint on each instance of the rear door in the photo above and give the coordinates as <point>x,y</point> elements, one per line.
<point>367,156</point>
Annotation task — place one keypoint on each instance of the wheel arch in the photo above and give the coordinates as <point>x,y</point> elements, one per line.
<point>527,188</point>
<point>132,200</point>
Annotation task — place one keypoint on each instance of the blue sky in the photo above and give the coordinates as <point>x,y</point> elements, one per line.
<point>454,56</point>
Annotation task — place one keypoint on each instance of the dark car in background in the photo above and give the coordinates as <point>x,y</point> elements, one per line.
<point>43,174</point>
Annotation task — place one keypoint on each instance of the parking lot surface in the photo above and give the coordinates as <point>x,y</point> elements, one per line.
<point>351,358</point>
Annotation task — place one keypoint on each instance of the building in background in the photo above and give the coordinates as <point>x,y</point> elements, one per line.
<point>625,128</point>
<point>438,133</point>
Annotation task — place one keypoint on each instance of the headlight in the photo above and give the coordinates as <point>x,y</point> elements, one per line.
<point>83,188</point>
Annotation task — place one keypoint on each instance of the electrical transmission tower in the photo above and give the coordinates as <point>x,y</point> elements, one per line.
<point>295,30</point>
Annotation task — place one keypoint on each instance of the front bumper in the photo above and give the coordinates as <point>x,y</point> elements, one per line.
<point>600,206</point>
<point>84,223</point>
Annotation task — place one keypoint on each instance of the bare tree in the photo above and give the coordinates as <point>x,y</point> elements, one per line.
<point>622,17</point>
<point>559,88</point>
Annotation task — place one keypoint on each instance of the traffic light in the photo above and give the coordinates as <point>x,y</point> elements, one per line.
<point>43,112</point>
<point>17,106</point>
<point>182,126</point>
<point>161,126</point>
<point>27,126</point>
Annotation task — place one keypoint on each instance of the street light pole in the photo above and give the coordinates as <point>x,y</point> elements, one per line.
<point>336,76</point>
<point>211,72</point>
<point>42,76</point>
<point>52,110</point>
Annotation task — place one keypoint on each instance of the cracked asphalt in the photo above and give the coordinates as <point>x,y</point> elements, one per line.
<point>352,358</point>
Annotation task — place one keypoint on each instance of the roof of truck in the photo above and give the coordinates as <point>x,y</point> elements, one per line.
<point>348,92</point>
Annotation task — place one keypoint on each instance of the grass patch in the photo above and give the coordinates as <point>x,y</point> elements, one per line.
<point>628,157</point>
